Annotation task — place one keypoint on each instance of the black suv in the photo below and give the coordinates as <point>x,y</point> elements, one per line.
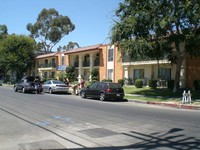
<point>103,91</point>
<point>27,84</point>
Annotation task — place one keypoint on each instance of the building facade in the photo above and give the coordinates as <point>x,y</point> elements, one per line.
<point>111,65</point>
<point>47,65</point>
<point>105,58</point>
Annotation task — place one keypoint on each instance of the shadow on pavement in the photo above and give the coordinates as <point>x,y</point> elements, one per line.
<point>172,139</point>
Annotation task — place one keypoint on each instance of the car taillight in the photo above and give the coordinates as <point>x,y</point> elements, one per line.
<point>108,90</point>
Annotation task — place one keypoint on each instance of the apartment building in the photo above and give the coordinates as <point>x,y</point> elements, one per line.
<point>111,65</point>
<point>105,58</point>
<point>48,65</point>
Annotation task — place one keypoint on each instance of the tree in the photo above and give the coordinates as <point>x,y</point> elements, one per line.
<point>158,28</point>
<point>3,31</point>
<point>50,28</point>
<point>70,73</point>
<point>3,35</point>
<point>72,45</point>
<point>17,53</point>
<point>95,74</point>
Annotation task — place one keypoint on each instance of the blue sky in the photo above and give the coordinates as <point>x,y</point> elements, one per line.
<point>93,18</point>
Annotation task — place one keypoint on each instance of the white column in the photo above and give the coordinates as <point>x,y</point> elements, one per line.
<point>91,65</point>
<point>126,74</point>
<point>80,67</point>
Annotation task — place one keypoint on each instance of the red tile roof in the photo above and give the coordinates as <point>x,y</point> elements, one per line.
<point>46,55</point>
<point>81,49</point>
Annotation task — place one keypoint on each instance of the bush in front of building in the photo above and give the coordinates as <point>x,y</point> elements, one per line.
<point>106,80</point>
<point>121,82</point>
<point>170,84</point>
<point>138,83</point>
<point>70,73</point>
<point>153,84</point>
<point>95,74</point>
<point>196,84</point>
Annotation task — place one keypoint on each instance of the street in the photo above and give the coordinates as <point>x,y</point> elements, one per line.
<point>65,121</point>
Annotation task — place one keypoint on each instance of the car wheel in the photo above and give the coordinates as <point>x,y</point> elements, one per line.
<point>15,89</point>
<point>102,97</point>
<point>83,95</point>
<point>50,91</point>
<point>23,90</point>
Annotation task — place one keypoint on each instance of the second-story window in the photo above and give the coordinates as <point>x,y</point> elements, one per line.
<point>46,61</point>
<point>110,55</point>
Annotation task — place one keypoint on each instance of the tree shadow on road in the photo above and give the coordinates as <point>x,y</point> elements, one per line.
<point>173,139</point>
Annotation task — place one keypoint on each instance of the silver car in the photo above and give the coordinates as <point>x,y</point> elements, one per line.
<point>53,86</point>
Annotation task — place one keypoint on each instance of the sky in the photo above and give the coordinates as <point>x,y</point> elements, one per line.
<point>93,19</point>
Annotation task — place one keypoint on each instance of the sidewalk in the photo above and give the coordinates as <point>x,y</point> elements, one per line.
<point>167,104</point>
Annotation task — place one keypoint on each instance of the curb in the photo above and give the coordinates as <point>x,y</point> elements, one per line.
<point>178,106</point>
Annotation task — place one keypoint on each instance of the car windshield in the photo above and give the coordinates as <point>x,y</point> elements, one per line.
<point>57,82</point>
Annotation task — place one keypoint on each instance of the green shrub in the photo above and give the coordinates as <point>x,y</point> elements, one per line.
<point>95,74</point>
<point>153,84</point>
<point>121,82</point>
<point>196,84</point>
<point>138,83</point>
<point>106,80</point>
<point>95,78</point>
<point>170,84</point>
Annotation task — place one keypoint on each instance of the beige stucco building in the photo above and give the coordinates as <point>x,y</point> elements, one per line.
<point>108,60</point>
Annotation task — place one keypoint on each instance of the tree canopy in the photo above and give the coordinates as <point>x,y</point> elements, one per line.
<point>17,53</point>
<point>50,28</point>
<point>70,45</point>
<point>156,28</point>
<point>3,31</point>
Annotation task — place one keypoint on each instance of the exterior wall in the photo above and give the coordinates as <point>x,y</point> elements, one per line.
<point>192,70</point>
<point>116,64</point>
<point>118,68</point>
<point>102,63</point>
<point>42,70</point>
<point>150,71</point>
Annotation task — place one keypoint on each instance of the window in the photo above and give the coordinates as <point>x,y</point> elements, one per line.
<point>53,74</point>
<point>94,85</point>
<point>138,73</point>
<point>53,60</point>
<point>164,73</point>
<point>110,74</point>
<point>110,55</point>
<point>46,61</point>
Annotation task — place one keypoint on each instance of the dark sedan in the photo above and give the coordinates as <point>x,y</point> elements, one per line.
<point>27,84</point>
<point>103,91</point>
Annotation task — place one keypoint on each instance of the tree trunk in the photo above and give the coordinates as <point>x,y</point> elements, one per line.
<point>177,75</point>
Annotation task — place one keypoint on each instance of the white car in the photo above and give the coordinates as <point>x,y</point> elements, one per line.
<point>53,86</point>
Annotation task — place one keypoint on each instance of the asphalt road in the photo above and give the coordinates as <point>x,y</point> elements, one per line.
<point>65,121</point>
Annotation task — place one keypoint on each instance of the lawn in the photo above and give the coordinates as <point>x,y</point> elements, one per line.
<point>161,95</point>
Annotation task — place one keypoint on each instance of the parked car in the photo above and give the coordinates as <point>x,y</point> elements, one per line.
<point>27,84</point>
<point>53,86</point>
<point>103,91</point>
